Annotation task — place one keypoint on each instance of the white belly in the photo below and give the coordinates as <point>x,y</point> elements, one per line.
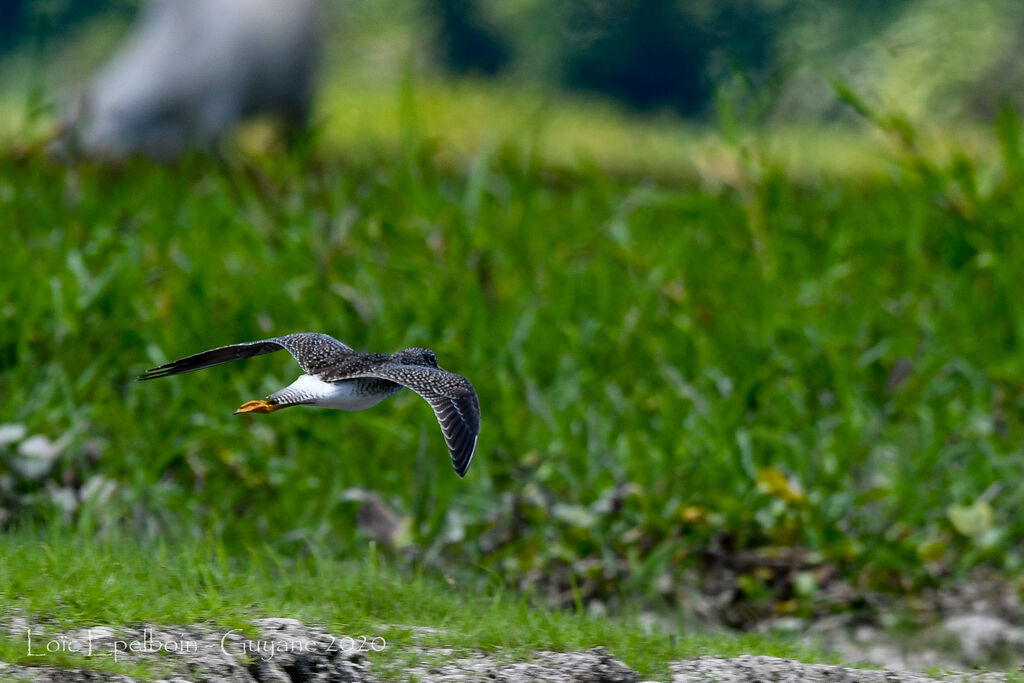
<point>338,395</point>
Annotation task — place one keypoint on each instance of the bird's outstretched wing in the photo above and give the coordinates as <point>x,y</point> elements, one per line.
<point>452,397</point>
<point>314,352</point>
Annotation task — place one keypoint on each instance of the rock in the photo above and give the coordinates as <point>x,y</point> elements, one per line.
<point>37,456</point>
<point>309,654</point>
<point>62,497</point>
<point>751,669</point>
<point>877,647</point>
<point>279,650</point>
<point>983,638</point>
<point>593,666</point>
<point>963,641</point>
<point>10,673</point>
<point>11,432</point>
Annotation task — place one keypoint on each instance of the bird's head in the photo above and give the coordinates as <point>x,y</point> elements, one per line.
<point>417,355</point>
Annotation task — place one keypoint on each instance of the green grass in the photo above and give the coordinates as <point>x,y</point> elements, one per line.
<point>70,583</point>
<point>665,366</point>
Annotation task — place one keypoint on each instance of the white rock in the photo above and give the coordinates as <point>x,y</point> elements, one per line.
<point>983,637</point>
<point>11,432</point>
<point>37,456</point>
<point>64,498</point>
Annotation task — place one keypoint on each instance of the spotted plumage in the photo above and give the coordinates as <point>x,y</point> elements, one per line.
<point>338,377</point>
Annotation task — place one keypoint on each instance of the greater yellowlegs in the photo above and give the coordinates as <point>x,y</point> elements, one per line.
<point>336,376</point>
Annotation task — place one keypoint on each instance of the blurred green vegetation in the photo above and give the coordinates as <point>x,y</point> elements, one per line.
<point>678,378</point>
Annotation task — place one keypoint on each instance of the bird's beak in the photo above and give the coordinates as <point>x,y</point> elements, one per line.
<point>257,407</point>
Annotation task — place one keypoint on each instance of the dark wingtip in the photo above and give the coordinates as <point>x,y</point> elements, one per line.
<point>462,464</point>
<point>462,467</point>
<point>152,373</point>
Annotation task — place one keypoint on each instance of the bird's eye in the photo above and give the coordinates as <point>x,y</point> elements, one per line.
<point>431,358</point>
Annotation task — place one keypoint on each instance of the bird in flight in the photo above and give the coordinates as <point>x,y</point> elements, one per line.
<point>336,376</point>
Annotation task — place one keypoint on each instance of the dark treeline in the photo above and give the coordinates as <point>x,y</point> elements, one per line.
<point>22,21</point>
<point>648,53</point>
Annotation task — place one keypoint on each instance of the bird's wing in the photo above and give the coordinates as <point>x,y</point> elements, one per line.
<point>313,351</point>
<point>451,396</point>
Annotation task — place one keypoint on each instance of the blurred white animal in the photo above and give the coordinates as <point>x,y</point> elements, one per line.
<point>191,69</point>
